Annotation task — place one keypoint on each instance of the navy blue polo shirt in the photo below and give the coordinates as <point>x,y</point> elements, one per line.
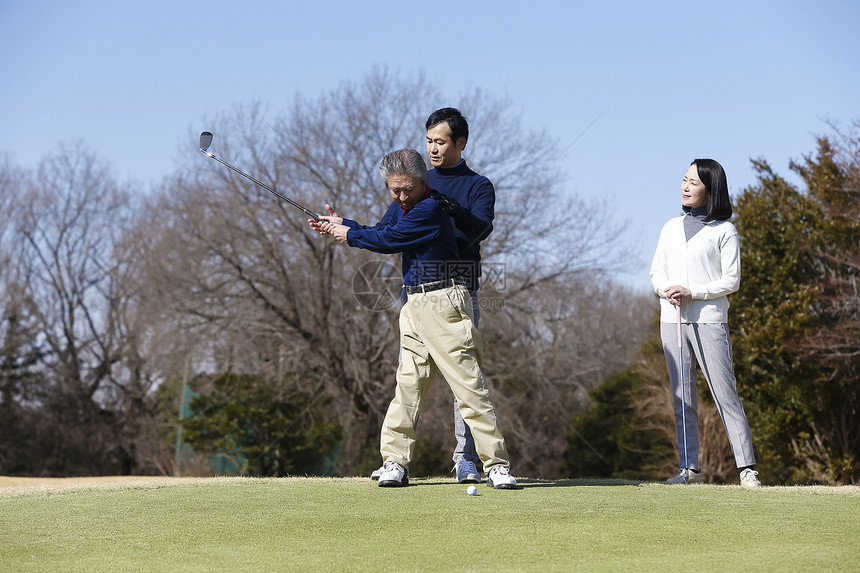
<point>424,235</point>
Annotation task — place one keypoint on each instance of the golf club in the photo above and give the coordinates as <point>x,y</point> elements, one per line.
<point>683,394</point>
<point>206,141</point>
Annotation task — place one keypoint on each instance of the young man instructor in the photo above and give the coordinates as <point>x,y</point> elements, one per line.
<point>437,328</point>
<point>469,199</point>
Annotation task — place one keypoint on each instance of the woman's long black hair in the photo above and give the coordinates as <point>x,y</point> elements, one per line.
<point>713,177</point>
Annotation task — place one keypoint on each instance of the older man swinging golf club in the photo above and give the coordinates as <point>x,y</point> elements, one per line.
<point>437,331</point>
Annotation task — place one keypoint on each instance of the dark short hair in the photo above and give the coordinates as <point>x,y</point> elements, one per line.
<point>455,120</point>
<point>713,177</point>
<point>403,162</point>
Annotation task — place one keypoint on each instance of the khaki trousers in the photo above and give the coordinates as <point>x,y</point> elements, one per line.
<point>438,335</point>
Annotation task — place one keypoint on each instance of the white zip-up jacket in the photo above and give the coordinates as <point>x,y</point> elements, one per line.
<point>709,264</point>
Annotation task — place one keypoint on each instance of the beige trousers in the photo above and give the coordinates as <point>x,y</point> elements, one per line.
<point>438,335</point>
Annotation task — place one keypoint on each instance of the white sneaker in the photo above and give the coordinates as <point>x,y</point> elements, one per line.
<point>500,478</point>
<point>749,479</point>
<point>686,476</point>
<point>377,472</point>
<point>394,475</point>
<point>467,472</point>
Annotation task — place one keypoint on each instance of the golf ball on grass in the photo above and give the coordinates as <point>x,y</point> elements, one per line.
<point>472,490</point>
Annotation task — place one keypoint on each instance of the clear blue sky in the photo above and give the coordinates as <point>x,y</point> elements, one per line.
<point>730,80</point>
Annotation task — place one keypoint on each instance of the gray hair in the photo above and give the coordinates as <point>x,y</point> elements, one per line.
<point>403,162</point>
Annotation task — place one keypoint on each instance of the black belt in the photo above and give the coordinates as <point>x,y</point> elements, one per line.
<point>435,285</point>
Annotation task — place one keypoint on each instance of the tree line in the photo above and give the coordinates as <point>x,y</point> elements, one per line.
<point>204,311</point>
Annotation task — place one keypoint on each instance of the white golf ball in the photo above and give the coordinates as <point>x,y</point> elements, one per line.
<point>472,490</point>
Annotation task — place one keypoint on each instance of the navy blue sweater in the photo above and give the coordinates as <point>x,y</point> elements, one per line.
<point>424,235</point>
<point>474,222</point>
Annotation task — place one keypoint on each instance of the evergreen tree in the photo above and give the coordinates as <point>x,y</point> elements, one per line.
<point>613,440</point>
<point>269,431</point>
<point>802,406</point>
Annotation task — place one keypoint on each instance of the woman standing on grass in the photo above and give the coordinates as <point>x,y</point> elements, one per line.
<point>696,266</point>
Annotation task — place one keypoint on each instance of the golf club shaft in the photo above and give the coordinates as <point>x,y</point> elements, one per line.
<point>683,389</point>
<point>263,185</point>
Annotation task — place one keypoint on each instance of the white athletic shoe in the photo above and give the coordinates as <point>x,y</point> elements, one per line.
<point>686,476</point>
<point>749,479</point>
<point>500,478</point>
<point>467,472</point>
<point>377,472</point>
<point>394,475</point>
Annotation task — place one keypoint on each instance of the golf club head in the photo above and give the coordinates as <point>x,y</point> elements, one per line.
<point>205,140</point>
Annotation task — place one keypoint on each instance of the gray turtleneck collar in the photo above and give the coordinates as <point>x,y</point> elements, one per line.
<point>694,221</point>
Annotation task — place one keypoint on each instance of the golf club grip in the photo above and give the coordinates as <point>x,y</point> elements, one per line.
<point>678,314</point>
<point>308,212</point>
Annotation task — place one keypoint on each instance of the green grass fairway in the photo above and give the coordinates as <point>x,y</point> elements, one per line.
<point>331,524</point>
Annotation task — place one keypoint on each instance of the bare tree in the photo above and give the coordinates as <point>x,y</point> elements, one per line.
<point>70,216</point>
<point>549,346</point>
<point>829,447</point>
<point>839,199</point>
<point>20,351</point>
<point>256,290</point>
